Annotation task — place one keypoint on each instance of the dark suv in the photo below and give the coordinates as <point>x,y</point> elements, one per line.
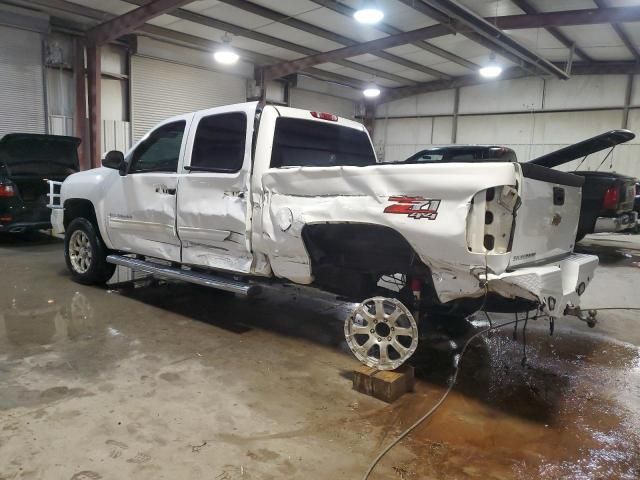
<point>27,161</point>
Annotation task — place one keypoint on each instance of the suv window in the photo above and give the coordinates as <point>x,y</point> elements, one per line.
<point>160,151</point>
<point>308,143</point>
<point>219,143</point>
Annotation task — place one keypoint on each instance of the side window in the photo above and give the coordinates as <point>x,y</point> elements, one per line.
<point>219,143</point>
<point>160,152</point>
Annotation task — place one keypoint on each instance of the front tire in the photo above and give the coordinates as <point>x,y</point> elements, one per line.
<point>86,254</point>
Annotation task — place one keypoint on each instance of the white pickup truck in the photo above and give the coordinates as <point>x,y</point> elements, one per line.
<point>240,196</point>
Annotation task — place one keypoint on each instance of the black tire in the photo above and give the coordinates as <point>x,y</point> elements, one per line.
<point>97,271</point>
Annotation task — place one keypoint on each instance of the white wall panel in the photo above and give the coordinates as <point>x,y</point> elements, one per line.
<point>585,91</point>
<point>433,103</point>
<point>503,96</point>
<point>343,107</point>
<point>635,93</point>
<point>563,128</point>
<point>116,135</point>
<point>60,125</point>
<point>114,99</point>
<point>442,130</point>
<point>161,89</point>
<point>503,129</point>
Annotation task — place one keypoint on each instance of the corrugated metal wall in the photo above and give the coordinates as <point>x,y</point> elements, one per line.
<point>21,82</point>
<point>343,107</point>
<point>161,89</point>
<point>532,116</point>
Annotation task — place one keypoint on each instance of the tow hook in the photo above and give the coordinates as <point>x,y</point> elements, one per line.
<point>589,316</point>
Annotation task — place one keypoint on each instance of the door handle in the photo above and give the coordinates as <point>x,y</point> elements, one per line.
<point>161,188</point>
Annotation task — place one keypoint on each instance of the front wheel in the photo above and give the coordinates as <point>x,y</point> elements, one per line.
<point>86,254</point>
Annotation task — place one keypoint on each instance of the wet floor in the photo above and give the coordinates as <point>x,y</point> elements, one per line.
<point>175,381</point>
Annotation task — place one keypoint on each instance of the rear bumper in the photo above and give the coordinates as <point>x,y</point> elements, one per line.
<point>616,224</point>
<point>20,227</point>
<point>555,286</point>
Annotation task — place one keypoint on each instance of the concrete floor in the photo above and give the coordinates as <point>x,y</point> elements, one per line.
<point>180,382</point>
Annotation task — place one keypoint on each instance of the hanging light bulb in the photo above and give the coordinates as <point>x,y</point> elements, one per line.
<point>491,69</point>
<point>368,13</point>
<point>225,54</point>
<point>371,91</point>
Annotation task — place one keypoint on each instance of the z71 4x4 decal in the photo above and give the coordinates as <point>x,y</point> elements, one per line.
<point>414,207</point>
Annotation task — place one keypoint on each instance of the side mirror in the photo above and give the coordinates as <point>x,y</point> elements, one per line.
<point>115,159</point>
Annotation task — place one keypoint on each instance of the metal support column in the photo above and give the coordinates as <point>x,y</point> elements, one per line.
<point>627,101</point>
<point>80,115</point>
<point>454,122</point>
<point>369,119</point>
<point>95,116</point>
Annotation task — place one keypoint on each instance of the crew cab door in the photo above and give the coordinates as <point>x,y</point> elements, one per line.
<point>141,206</point>
<point>213,219</point>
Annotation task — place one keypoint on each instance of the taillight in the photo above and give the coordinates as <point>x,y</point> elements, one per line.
<point>325,116</point>
<point>7,190</point>
<point>610,199</point>
<point>490,220</point>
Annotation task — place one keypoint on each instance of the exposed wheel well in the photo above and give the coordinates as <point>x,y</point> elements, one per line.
<point>79,207</point>
<point>349,259</point>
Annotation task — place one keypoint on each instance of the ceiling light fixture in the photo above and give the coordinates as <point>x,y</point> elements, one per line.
<point>225,54</point>
<point>369,14</point>
<point>371,91</point>
<point>491,69</point>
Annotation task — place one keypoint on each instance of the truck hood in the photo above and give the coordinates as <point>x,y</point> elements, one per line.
<point>43,156</point>
<point>584,148</point>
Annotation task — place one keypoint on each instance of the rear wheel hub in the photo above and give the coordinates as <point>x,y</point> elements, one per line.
<point>381,333</point>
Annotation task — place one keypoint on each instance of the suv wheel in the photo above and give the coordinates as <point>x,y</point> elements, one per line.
<point>86,254</point>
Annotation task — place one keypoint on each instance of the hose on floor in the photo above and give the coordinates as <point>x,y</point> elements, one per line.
<point>452,383</point>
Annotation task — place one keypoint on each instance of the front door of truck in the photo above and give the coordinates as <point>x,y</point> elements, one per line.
<point>213,219</point>
<point>141,206</point>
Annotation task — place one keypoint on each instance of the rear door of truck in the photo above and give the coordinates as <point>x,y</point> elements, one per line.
<point>213,219</point>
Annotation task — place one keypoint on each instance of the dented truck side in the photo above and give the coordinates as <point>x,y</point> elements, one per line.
<point>300,197</point>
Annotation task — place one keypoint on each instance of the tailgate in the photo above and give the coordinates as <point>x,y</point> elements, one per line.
<point>547,219</point>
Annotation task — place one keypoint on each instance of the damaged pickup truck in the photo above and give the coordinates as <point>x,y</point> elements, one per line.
<point>243,196</point>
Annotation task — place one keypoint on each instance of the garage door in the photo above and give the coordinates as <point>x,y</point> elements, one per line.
<point>162,89</point>
<point>343,107</point>
<point>21,82</point>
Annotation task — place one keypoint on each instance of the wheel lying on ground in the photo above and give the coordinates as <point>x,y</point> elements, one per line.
<point>381,333</point>
<point>86,254</point>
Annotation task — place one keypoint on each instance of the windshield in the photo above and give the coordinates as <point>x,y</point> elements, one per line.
<point>308,143</point>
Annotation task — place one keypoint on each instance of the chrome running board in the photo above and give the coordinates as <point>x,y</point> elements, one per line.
<point>177,273</point>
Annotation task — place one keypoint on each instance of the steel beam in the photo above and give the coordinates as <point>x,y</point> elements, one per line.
<point>490,35</point>
<point>277,42</point>
<point>528,8</point>
<point>619,29</point>
<point>80,113</point>
<point>499,42</point>
<point>627,101</point>
<point>347,11</point>
<point>95,117</point>
<point>287,68</point>
<point>185,39</point>
<point>567,18</point>
<point>326,34</point>
<point>597,68</point>
<point>127,23</point>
